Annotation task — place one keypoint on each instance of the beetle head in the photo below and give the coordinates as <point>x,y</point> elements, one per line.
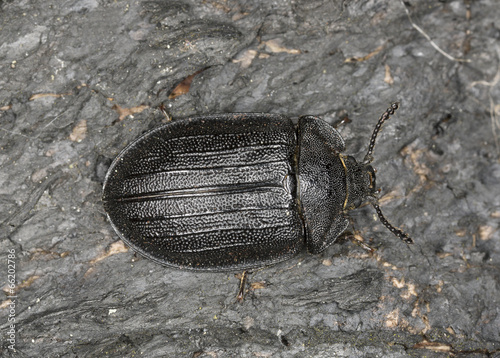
<point>362,186</point>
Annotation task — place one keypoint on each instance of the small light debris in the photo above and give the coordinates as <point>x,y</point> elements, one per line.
<point>364,58</point>
<point>392,319</point>
<point>275,46</point>
<point>486,232</point>
<point>116,248</point>
<point>388,77</point>
<point>246,58</point>
<point>79,131</point>
<point>43,95</point>
<point>124,112</point>
<point>433,346</point>
<point>184,86</point>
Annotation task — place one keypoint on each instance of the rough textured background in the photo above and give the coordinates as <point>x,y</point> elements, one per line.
<point>79,79</point>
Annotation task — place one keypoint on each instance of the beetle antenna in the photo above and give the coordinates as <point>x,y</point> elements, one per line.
<point>385,116</point>
<point>399,233</point>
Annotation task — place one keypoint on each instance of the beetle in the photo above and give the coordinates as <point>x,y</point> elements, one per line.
<point>234,191</point>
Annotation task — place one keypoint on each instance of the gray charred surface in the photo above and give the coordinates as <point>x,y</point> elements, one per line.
<point>79,80</point>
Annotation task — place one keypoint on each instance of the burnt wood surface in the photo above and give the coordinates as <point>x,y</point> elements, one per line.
<point>80,80</point>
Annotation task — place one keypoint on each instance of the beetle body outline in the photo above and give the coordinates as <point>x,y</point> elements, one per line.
<point>237,191</point>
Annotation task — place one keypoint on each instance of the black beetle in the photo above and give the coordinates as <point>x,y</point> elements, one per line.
<point>237,191</point>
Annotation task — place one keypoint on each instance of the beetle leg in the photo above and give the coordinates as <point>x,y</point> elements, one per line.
<point>356,239</point>
<point>243,281</point>
<point>164,111</point>
<point>341,122</point>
